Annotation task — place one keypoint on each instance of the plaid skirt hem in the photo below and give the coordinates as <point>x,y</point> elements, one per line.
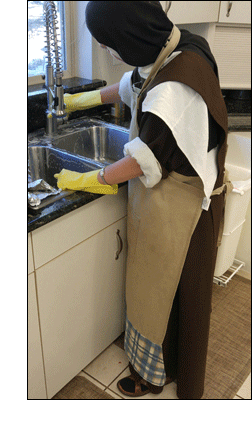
<point>145,356</point>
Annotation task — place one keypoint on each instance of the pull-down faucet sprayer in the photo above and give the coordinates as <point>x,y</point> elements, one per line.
<point>54,71</point>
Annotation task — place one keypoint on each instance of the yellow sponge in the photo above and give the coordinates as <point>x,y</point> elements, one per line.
<point>86,182</point>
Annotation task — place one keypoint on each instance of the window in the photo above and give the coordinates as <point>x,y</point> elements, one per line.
<point>36,37</point>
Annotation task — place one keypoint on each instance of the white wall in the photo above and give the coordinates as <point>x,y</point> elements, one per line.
<point>82,43</point>
<point>204,30</point>
<point>90,60</point>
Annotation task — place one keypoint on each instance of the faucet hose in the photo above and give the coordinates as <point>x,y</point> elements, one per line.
<point>53,48</point>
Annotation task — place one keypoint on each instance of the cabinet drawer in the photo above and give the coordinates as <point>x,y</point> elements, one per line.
<point>62,234</point>
<point>240,12</point>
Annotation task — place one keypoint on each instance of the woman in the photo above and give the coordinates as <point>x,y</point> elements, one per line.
<point>174,160</point>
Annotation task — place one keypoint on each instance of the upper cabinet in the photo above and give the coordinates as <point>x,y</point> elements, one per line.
<point>235,12</point>
<point>192,12</point>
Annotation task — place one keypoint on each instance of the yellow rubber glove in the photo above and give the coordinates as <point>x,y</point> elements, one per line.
<point>81,101</point>
<point>87,182</point>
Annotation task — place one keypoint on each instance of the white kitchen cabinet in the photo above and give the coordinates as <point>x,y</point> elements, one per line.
<point>36,376</point>
<point>67,231</point>
<point>239,155</point>
<point>30,255</point>
<point>239,13</point>
<point>81,304</point>
<point>80,289</point>
<point>190,12</point>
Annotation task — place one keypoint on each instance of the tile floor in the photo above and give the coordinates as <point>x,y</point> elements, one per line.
<point>112,365</point>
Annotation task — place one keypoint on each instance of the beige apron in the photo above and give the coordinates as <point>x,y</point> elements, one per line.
<point>161,222</point>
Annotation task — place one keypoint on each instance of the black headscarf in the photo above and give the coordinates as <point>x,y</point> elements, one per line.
<point>137,31</point>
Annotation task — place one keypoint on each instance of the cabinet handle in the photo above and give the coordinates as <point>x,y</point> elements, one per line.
<point>230,4</point>
<point>121,244</point>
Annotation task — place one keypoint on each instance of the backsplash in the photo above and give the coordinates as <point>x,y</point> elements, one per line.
<point>37,100</point>
<point>239,111</point>
<point>238,101</point>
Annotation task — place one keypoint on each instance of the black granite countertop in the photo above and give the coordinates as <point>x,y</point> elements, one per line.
<point>239,123</point>
<point>70,85</point>
<point>239,119</point>
<point>38,218</point>
<point>239,111</point>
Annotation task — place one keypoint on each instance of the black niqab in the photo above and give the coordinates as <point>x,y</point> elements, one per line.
<point>137,31</point>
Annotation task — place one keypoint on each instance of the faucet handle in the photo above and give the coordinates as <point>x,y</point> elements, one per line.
<point>59,106</point>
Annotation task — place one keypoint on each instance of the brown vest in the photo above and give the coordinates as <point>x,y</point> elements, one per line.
<point>191,69</point>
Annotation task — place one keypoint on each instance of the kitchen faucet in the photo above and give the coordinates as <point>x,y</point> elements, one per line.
<point>54,71</point>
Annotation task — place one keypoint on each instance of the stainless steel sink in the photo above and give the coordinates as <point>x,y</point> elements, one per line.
<point>45,161</point>
<point>82,145</point>
<point>101,143</point>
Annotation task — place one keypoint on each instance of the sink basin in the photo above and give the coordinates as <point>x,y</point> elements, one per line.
<point>101,143</point>
<point>45,161</point>
<point>81,145</point>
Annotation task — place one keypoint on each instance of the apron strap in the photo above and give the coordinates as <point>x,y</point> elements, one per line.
<point>227,188</point>
<point>170,45</point>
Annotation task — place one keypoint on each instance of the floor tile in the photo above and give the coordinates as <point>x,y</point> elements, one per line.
<point>245,390</point>
<point>108,365</point>
<point>112,394</point>
<point>94,381</point>
<point>237,398</point>
<point>168,393</point>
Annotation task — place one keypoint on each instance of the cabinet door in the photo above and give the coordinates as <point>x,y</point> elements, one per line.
<point>240,12</point>
<point>81,304</point>
<point>62,234</point>
<point>189,12</point>
<point>36,376</point>
<point>30,255</point>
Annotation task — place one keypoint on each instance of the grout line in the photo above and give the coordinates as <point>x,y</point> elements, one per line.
<point>239,397</point>
<point>95,380</point>
<point>107,388</point>
<point>115,393</point>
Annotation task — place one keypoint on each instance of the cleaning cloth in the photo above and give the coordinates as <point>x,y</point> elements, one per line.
<point>86,182</point>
